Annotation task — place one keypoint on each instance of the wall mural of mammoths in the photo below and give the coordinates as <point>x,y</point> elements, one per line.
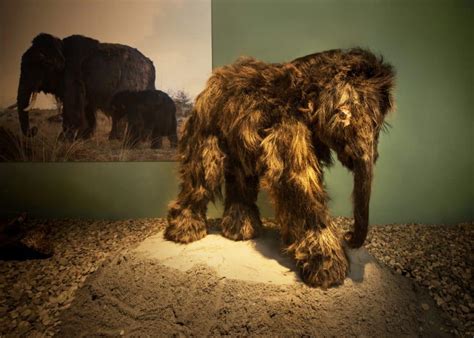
<point>147,112</point>
<point>275,125</point>
<point>83,74</point>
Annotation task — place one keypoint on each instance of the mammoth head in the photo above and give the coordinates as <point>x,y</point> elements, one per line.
<point>42,67</point>
<point>43,64</point>
<point>353,100</point>
<point>359,109</point>
<point>353,121</point>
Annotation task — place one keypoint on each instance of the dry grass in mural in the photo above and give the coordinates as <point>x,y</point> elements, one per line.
<point>46,146</point>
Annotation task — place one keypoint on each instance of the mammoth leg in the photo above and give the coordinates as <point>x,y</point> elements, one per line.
<point>241,219</point>
<point>157,142</point>
<point>70,125</point>
<point>156,139</point>
<point>113,131</point>
<point>74,107</point>
<point>173,138</point>
<point>118,126</point>
<point>91,119</point>
<point>295,181</point>
<point>201,173</point>
<point>133,136</point>
<point>23,101</point>
<point>173,131</point>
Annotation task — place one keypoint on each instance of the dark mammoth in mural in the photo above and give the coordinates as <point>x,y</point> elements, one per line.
<point>274,125</point>
<point>147,113</point>
<point>83,74</point>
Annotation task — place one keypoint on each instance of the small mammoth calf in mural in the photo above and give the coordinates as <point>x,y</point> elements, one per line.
<point>274,125</point>
<point>147,113</point>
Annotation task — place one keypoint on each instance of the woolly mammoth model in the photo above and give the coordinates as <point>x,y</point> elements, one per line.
<point>275,125</point>
<point>83,74</point>
<point>148,112</point>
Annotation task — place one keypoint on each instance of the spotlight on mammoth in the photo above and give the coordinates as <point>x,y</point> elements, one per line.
<point>274,125</point>
<point>83,74</point>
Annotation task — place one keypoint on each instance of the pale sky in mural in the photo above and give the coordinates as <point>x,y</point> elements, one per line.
<point>175,34</point>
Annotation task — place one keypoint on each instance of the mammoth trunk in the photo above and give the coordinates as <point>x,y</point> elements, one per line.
<point>363,172</point>
<point>25,99</point>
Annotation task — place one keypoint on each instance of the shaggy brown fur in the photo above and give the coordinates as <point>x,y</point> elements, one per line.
<point>275,125</point>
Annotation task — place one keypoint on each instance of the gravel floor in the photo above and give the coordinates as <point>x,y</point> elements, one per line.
<point>439,258</point>
<point>33,293</point>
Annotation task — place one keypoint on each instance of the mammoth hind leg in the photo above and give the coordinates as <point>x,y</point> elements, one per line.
<point>133,136</point>
<point>118,129</point>
<point>241,219</point>
<point>173,138</point>
<point>156,138</point>
<point>90,123</point>
<point>156,142</point>
<point>201,173</point>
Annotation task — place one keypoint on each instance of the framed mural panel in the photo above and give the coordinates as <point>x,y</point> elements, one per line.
<point>100,80</point>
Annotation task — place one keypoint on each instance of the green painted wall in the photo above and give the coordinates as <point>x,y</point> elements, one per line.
<point>425,172</point>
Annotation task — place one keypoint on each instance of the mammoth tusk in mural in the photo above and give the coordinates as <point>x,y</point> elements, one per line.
<point>275,125</point>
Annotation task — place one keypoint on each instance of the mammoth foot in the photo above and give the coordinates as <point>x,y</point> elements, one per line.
<point>116,135</point>
<point>67,136</point>
<point>173,141</point>
<point>241,222</point>
<point>113,136</point>
<point>31,132</point>
<point>320,258</point>
<point>85,134</point>
<point>132,143</point>
<point>184,225</point>
<point>156,143</point>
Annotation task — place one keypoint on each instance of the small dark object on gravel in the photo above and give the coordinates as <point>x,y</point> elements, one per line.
<point>20,242</point>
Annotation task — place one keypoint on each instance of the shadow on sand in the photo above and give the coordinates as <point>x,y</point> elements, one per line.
<point>269,245</point>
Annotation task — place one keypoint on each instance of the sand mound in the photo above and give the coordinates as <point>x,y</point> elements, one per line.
<point>256,261</point>
<point>220,287</point>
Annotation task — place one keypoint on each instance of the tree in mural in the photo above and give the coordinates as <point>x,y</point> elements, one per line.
<point>183,103</point>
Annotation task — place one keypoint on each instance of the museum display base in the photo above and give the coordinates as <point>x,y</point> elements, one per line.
<point>121,277</point>
<point>219,287</point>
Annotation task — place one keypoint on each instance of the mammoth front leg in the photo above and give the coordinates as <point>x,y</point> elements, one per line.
<point>90,115</point>
<point>173,138</point>
<point>156,138</point>
<point>294,178</point>
<point>133,136</point>
<point>241,219</point>
<point>118,128</point>
<point>73,107</point>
